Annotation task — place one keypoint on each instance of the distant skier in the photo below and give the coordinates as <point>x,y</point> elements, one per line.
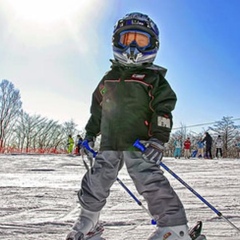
<point>70,144</point>
<point>132,101</point>
<point>187,146</point>
<point>208,140</point>
<point>219,146</point>
<point>78,144</point>
<point>200,147</point>
<point>237,145</point>
<point>178,147</point>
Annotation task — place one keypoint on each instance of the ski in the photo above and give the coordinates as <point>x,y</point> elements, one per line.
<point>195,232</point>
<point>96,233</point>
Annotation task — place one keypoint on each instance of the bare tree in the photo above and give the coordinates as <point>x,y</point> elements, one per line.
<point>10,105</point>
<point>22,132</point>
<point>69,127</point>
<point>33,133</point>
<point>228,131</point>
<point>51,137</point>
<point>27,130</point>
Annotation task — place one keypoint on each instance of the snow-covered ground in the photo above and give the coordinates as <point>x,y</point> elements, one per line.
<point>38,198</point>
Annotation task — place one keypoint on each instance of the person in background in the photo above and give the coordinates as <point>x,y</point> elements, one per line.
<point>219,146</point>
<point>208,140</point>
<point>237,145</point>
<point>79,144</point>
<point>187,146</point>
<point>70,144</point>
<point>132,101</point>
<point>200,148</point>
<point>177,147</point>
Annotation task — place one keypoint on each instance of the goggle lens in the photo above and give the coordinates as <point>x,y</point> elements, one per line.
<point>142,39</point>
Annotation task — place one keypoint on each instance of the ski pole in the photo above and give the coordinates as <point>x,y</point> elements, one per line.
<point>85,164</point>
<point>142,148</point>
<point>91,160</point>
<point>153,222</point>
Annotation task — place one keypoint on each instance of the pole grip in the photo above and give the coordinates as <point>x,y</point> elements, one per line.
<point>86,145</point>
<point>139,145</point>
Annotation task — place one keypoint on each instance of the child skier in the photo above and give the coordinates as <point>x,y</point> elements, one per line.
<point>132,101</point>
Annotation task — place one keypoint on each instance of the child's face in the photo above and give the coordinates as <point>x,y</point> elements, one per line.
<point>141,39</point>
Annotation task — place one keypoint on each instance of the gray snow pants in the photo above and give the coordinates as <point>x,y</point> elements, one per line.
<point>163,202</point>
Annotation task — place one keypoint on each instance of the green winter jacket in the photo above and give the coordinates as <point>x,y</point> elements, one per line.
<point>130,104</point>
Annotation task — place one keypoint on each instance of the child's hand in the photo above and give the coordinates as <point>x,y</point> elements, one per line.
<point>154,150</point>
<point>88,148</point>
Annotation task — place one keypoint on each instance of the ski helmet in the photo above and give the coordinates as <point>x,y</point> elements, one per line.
<point>135,40</point>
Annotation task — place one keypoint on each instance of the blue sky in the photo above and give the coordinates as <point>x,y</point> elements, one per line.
<point>56,51</point>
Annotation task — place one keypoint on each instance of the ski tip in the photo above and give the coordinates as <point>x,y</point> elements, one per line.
<point>195,232</point>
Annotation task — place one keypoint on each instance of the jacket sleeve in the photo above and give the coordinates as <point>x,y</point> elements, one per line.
<point>93,125</point>
<point>203,140</point>
<point>164,101</point>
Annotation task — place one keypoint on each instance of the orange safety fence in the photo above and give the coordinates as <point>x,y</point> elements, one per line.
<point>14,150</point>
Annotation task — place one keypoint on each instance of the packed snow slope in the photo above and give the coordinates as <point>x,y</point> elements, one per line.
<point>39,198</point>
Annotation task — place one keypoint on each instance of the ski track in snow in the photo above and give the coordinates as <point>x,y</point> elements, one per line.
<point>39,198</point>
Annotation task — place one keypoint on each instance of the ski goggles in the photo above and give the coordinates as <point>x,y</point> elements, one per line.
<point>142,39</point>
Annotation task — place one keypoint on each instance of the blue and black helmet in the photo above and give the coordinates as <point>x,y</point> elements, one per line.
<point>132,52</point>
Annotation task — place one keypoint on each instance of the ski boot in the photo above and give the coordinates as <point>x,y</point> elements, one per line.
<point>85,226</point>
<point>171,233</point>
<point>95,234</point>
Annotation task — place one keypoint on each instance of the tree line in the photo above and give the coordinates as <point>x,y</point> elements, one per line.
<point>21,132</point>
